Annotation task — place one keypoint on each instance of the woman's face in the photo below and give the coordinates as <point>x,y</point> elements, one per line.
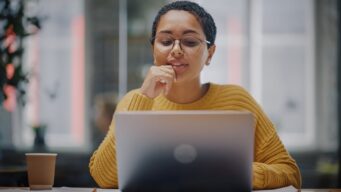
<point>180,42</point>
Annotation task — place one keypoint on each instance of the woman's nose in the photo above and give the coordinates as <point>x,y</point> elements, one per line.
<point>177,50</point>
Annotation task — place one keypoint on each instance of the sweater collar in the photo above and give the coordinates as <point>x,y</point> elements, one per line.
<point>202,102</point>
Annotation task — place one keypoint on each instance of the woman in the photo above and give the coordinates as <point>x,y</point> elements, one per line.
<point>183,38</point>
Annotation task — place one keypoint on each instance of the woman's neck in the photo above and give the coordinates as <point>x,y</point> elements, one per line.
<point>186,92</point>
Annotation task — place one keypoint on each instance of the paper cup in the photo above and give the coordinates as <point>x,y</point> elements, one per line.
<point>40,170</point>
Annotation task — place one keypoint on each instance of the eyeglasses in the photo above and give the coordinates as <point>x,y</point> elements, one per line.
<point>189,44</point>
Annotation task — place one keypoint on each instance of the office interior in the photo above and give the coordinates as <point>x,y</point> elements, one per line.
<point>87,54</point>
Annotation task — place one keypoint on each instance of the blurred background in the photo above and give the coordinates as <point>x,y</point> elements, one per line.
<point>65,64</point>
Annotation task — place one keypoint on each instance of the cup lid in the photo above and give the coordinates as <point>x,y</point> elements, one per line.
<point>41,154</point>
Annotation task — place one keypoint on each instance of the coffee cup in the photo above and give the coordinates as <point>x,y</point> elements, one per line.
<point>41,170</point>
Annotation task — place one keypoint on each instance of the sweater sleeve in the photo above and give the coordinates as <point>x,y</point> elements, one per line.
<point>273,166</point>
<point>103,167</point>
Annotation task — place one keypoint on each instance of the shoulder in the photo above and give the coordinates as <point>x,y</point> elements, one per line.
<point>230,87</point>
<point>124,102</point>
<point>230,90</point>
<point>234,95</point>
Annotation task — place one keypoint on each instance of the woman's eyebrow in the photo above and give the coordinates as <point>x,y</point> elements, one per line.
<point>190,31</point>
<point>165,31</point>
<point>184,33</point>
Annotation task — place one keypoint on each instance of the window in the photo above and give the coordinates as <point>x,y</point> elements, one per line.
<point>267,47</point>
<point>230,61</point>
<point>55,61</point>
<point>283,68</point>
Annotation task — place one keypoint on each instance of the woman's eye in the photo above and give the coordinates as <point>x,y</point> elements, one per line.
<point>166,42</point>
<point>190,42</point>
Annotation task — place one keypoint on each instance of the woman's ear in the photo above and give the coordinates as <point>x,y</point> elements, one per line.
<point>211,51</point>
<point>152,49</point>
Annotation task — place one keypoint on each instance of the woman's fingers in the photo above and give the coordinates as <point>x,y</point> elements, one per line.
<point>166,81</point>
<point>158,79</point>
<point>168,78</point>
<point>168,69</point>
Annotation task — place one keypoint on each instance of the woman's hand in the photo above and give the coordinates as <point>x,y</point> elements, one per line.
<point>158,79</point>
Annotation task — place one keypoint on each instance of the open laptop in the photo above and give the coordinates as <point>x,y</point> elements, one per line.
<point>184,150</point>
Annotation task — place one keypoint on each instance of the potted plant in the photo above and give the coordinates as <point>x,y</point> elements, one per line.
<point>39,136</point>
<point>15,25</point>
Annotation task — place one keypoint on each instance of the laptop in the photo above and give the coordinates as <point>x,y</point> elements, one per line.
<point>184,150</point>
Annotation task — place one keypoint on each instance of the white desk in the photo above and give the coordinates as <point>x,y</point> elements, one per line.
<point>74,189</point>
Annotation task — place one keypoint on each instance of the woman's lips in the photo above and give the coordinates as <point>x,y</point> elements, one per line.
<point>179,68</point>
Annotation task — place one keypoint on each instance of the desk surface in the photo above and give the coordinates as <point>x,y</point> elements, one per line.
<point>69,189</point>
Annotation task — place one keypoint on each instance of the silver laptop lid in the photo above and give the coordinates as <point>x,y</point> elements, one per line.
<point>184,150</point>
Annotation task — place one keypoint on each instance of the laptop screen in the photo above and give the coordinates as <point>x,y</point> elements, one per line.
<point>184,150</point>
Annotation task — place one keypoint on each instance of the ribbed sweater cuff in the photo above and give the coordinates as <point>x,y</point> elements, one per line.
<point>259,176</point>
<point>140,102</point>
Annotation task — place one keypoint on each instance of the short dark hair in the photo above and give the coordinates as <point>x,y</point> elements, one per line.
<point>204,18</point>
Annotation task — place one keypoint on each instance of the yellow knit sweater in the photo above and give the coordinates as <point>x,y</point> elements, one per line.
<point>272,168</point>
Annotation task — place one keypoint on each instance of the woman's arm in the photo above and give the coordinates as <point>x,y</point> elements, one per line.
<point>273,166</point>
<point>103,167</point>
